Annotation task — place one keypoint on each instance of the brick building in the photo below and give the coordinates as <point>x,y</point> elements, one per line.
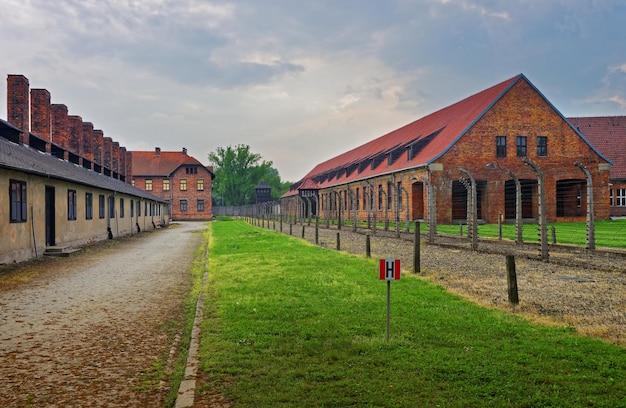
<point>58,190</point>
<point>608,134</point>
<point>506,132</point>
<point>180,179</point>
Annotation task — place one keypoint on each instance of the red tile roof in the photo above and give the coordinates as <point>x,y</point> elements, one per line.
<point>427,139</point>
<point>161,164</point>
<point>308,184</point>
<point>608,135</point>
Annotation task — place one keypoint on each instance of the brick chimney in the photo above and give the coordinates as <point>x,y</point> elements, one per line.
<point>40,118</point>
<point>60,125</point>
<point>88,140</point>
<point>184,152</point>
<point>115,158</point>
<point>129,167</point>
<point>18,113</point>
<point>107,146</point>
<point>76,134</point>
<point>122,170</point>
<point>157,151</point>
<point>98,147</point>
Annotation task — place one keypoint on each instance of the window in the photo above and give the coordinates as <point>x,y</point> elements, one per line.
<point>200,205</point>
<point>618,197</point>
<point>17,192</point>
<point>111,206</point>
<point>542,146</point>
<point>133,182</point>
<point>200,184</point>
<point>183,184</point>
<point>101,206</point>
<point>500,146</point>
<point>191,170</point>
<point>183,205</point>
<point>389,195</point>
<point>145,208</point>
<point>138,208</point>
<point>357,198</point>
<point>121,208</point>
<point>380,197</point>
<point>88,206</point>
<point>71,204</point>
<point>148,185</point>
<point>399,196</point>
<point>166,185</point>
<point>521,146</point>
<point>132,208</point>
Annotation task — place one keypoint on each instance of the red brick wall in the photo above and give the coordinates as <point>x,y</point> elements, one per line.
<point>174,195</point>
<point>521,112</point>
<point>191,195</point>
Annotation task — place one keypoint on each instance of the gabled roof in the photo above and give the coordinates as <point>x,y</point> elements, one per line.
<point>308,184</point>
<point>415,145</point>
<point>162,164</point>
<point>28,160</point>
<point>608,135</point>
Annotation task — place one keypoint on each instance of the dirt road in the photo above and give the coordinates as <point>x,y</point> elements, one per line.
<point>87,330</point>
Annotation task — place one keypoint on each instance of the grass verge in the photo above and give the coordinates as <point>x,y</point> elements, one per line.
<point>608,233</point>
<point>288,324</point>
<point>184,326</point>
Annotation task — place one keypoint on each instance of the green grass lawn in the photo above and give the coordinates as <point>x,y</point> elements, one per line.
<point>288,324</point>
<point>608,233</point>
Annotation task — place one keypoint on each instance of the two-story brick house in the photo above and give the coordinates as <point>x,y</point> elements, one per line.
<point>178,178</point>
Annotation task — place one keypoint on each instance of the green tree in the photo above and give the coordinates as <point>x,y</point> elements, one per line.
<point>237,171</point>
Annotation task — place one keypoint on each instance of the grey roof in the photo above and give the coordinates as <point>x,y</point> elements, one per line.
<point>26,159</point>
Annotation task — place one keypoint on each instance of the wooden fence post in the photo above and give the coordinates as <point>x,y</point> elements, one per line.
<point>511,279</point>
<point>416,249</point>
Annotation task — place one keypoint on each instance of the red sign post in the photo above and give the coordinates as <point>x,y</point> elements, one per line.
<point>388,270</point>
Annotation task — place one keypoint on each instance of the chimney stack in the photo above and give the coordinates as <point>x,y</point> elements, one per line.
<point>122,163</point>
<point>157,151</point>
<point>18,113</point>
<point>184,152</point>
<point>76,134</point>
<point>115,159</point>
<point>40,118</point>
<point>60,125</point>
<point>88,141</point>
<point>129,167</point>
<point>107,146</point>
<point>98,148</point>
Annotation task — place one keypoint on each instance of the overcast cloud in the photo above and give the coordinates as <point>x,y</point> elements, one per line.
<point>303,81</point>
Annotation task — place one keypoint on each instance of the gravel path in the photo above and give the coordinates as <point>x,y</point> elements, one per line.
<point>83,331</point>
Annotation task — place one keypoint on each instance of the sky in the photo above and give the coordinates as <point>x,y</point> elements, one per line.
<point>303,81</point>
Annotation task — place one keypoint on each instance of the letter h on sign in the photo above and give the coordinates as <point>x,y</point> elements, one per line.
<point>389,269</point>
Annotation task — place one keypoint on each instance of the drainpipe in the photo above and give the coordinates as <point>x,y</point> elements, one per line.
<point>32,223</point>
